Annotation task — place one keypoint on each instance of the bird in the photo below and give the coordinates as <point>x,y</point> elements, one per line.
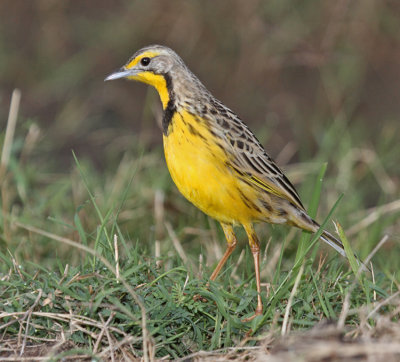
<point>215,160</point>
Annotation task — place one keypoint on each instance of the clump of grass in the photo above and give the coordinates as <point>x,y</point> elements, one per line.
<point>82,276</point>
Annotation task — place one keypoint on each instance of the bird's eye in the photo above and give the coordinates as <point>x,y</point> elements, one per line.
<point>145,61</point>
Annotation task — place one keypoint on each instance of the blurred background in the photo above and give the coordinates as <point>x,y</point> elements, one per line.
<point>317,82</point>
<point>293,67</point>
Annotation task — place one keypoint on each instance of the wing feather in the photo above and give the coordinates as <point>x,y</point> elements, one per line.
<point>249,157</point>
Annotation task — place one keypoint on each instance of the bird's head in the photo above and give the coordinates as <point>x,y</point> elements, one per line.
<point>152,65</point>
<point>146,63</point>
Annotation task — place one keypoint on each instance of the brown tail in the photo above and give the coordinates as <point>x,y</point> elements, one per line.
<point>307,223</point>
<point>338,246</point>
<point>332,241</point>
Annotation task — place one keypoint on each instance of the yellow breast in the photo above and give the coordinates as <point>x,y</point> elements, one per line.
<point>197,165</point>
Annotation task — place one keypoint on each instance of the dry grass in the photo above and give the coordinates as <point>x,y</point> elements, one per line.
<point>325,342</point>
<point>101,259</point>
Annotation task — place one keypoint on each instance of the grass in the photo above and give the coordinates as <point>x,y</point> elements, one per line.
<point>102,258</point>
<point>113,263</point>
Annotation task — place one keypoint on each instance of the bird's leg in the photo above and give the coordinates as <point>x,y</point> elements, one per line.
<point>232,241</point>
<point>255,250</point>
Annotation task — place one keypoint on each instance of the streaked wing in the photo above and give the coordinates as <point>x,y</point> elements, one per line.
<point>249,158</point>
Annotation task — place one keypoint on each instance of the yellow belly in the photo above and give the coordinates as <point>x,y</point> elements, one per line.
<point>196,164</point>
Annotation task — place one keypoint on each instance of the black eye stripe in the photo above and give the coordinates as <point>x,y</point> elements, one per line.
<point>145,61</point>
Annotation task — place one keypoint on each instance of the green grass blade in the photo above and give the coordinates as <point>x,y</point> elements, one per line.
<point>354,264</point>
<point>312,210</point>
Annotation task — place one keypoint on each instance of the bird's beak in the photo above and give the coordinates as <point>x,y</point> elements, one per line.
<point>122,73</point>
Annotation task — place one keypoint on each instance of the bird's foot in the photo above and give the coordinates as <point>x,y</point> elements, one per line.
<point>200,298</point>
<point>257,312</point>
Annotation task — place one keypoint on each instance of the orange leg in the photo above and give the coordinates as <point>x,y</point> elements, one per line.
<point>255,250</point>
<point>232,241</point>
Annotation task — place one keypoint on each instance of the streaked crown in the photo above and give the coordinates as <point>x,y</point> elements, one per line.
<point>155,63</point>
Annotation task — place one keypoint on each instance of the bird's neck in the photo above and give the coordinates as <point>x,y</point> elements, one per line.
<point>161,82</point>
<point>167,96</point>
<point>162,89</point>
<point>163,85</point>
